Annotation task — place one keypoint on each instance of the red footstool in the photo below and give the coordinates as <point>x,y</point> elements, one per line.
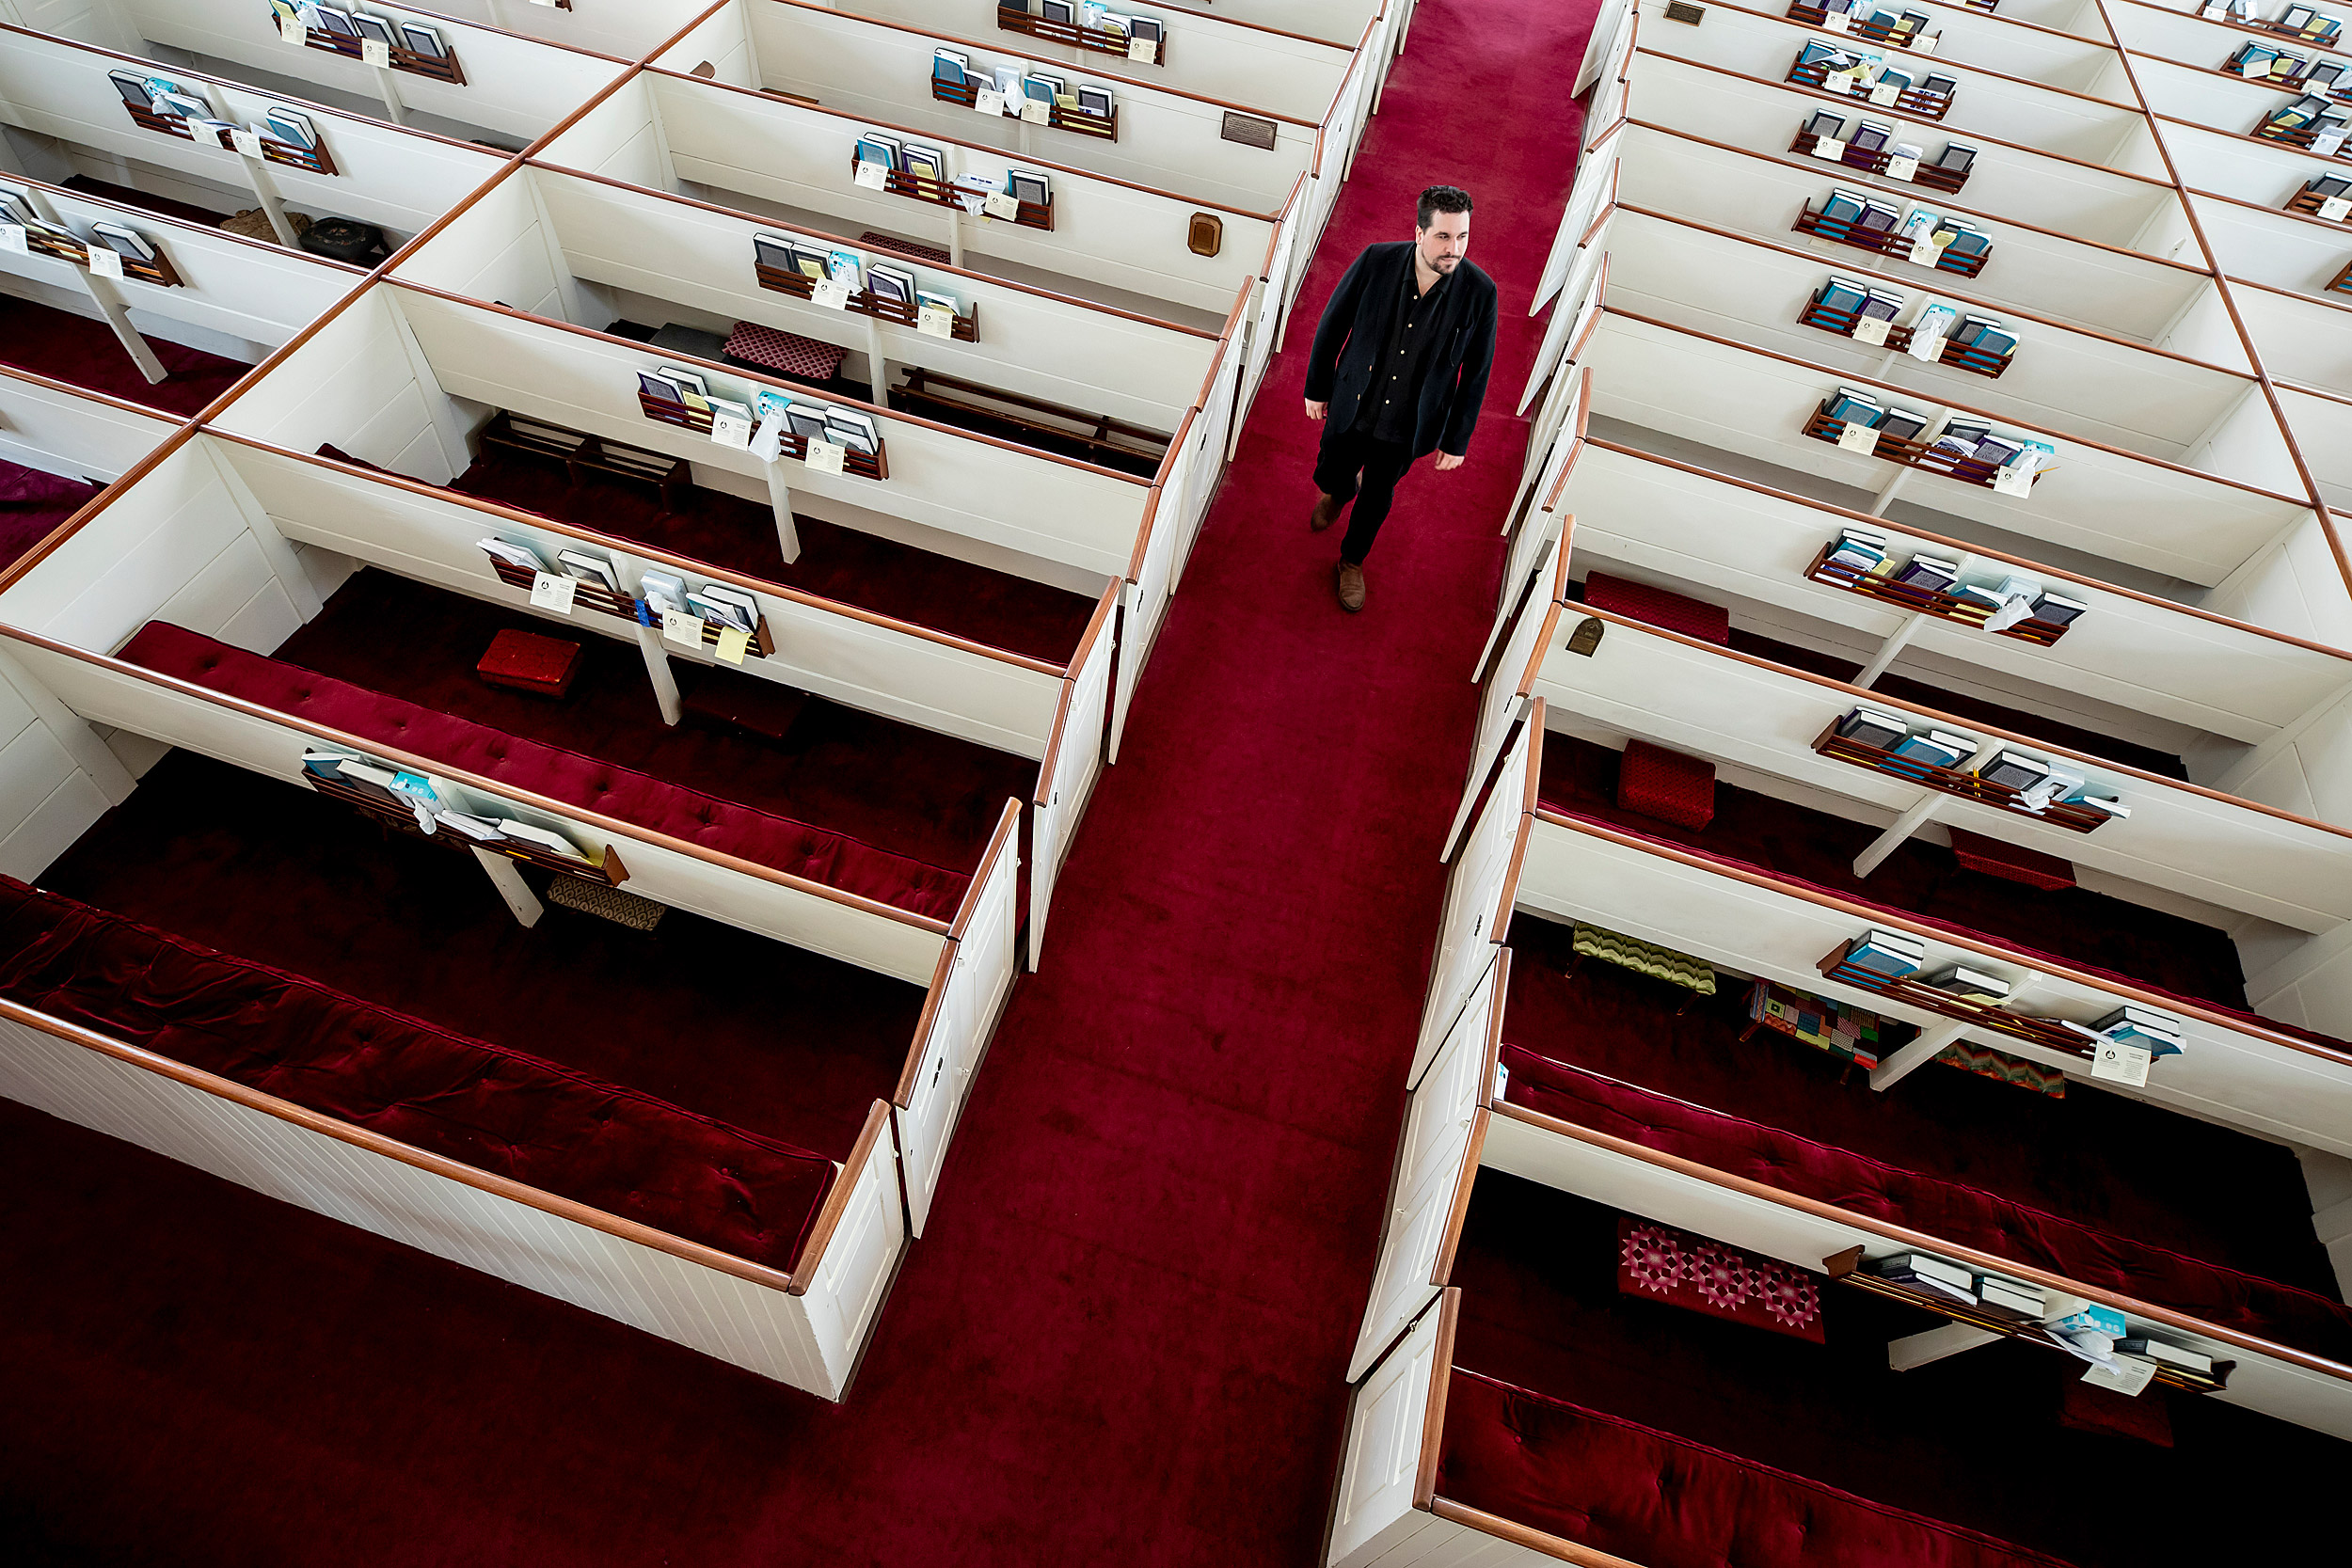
<point>1666,785</point>
<point>526,661</point>
<point>2012,862</point>
<point>1641,602</point>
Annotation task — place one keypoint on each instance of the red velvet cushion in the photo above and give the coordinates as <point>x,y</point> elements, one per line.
<point>1948,1209</point>
<point>1641,602</point>
<point>1653,1498</point>
<point>615,1150</point>
<point>2012,861</point>
<point>833,859</point>
<point>1666,784</point>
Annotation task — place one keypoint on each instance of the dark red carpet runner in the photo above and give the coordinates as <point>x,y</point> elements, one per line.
<point>1123,1336</point>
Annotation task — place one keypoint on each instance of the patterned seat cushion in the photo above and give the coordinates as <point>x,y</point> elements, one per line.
<point>786,352</point>
<point>1639,601</point>
<point>1646,957</point>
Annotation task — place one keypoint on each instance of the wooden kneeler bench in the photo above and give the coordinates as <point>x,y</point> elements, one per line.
<point>577,449</point>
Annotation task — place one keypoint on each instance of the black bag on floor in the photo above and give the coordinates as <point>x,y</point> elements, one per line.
<point>347,240</point>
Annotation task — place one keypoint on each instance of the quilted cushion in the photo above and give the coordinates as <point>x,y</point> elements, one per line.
<point>1952,1211</point>
<point>613,1149</point>
<point>1650,1497</point>
<point>2012,861</point>
<point>1641,602</point>
<point>1666,785</point>
<point>780,843</point>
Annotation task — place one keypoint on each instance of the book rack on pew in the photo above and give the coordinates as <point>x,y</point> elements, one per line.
<point>315,160</point>
<point>1910,101</point>
<point>913,249</point>
<point>1959,356</point>
<point>2266,25</point>
<point>159,271</point>
<point>443,69</point>
<point>2342,282</point>
<point>1870,32</point>
<point>1010,19</point>
<point>603,601</point>
<point>1060,116</point>
<point>1951,780</point>
<point>397,818</point>
<point>1845,1267</point>
<point>577,449</point>
<point>2046,1033</point>
<point>2300,137</point>
<point>1911,453</point>
<point>1099,433</point>
<point>1928,175</point>
<point>2309,203</point>
<point>874,464</point>
<point>1986,6</point>
<point>922,188</point>
<point>1881,242</point>
<point>1921,601</point>
<point>865,302</point>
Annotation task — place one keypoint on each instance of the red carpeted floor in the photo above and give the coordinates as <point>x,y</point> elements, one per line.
<point>82,351</point>
<point>1124,1336</point>
<point>32,503</point>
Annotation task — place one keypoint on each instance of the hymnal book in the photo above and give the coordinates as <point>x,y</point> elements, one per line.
<point>1028,188</point>
<point>1843,295</point>
<point>809,261</point>
<point>468,824</point>
<point>847,427</point>
<point>1978,597</point>
<point>1998,449</point>
<point>1877,217</point>
<point>1973,984</point>
<point>2171,1355</point>
<point>1872,135</point>
<point>290,126</point>
<point>732,409</point>
<point>1884,305</point>
<point>1869,727</point>
<point>587,568</point>
<point>2329,186</point>
<point>2326,74</point>
<point>1855,407</point>
<point>660,390</point>
<point>1967,433</point>
<point>133,88</point>
<point>1095,100</point>
<point>373,28</point>
<point>947,65</point>
<point>513,555</point>
<point>774,250</point>
<point>717,612</point>
<point>338,23</point>
<point>1136,27</point>
<point>685,381</point>
<point>1937,748</point>
<point>895,284</point>
<point>1903,425</point>
<point>663,590</point>
<point>1822,51</point>
<point>2013,769</point>
<point>1062,11</point>
<point>875,148</point>
<point>1932,1274</point>
<point>2131,1025</point>
<point>1955,158</point>
<point>736,599</point>
<point>1994,339</point>
<point>1843,206</point>
<point>354,770</point>
<point>122,241</point>
<point>1038,89</point>
<point>1887,953</point>
<point>927,163</point>
<point>807,420</point>
<point>526,833</point>
<point>2009,1299</point>
<point>1939,85</point>
<point>422,40</point>
<point>1971,328</point>
<point>2056,610</point>
<point>1827,126</point>
<point>1891,76</point>
<point>1967,241</point>
<point>187,106</point>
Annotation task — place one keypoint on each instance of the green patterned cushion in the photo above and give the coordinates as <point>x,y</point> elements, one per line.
<point>1644,957</point>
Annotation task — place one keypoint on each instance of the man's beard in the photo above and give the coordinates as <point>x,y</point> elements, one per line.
<point>1443,263</point>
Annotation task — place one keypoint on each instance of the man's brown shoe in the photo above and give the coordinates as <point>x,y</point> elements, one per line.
<point>1351,588</point>
<point>1327,512</point>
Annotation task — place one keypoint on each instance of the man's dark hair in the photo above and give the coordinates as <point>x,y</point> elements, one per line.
<point>1442,198</point>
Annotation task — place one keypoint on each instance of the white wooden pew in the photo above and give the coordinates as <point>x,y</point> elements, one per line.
<point>64,430</point>
<point>1743,37</point>
<point>400,180</point>
<point>501,81</point>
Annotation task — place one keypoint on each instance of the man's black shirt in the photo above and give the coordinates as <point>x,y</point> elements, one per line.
<point>1388,408</point>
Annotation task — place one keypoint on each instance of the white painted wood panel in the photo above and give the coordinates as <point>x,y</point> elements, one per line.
<point>63,432</point>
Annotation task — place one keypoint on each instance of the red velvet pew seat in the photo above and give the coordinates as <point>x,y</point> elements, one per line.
<point>613,1149</point>
<point>815,853</point>
<point>1662,1501</point>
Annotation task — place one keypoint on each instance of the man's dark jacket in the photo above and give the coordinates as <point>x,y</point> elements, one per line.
<point>1454,380</point>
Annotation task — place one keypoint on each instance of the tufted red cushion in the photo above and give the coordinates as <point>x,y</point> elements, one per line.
<point>833,859</point>
<point>1666,784</point>
<point>2012,862</point>
<point>1641,602</point>
<point>615,1150</point>
<point>1935,1206</point>
<point>1650,1497</point>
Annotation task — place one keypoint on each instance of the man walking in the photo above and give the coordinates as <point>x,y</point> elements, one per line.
<point>1398,370</point>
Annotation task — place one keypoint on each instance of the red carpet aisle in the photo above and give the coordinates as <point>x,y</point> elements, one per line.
<point>1123,1337</point>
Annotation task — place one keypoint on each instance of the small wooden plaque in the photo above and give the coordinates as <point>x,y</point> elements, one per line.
<point>1248,130</point>
<point>1206,236</point>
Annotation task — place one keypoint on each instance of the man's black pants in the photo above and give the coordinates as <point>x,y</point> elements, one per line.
<point>1344,455</point>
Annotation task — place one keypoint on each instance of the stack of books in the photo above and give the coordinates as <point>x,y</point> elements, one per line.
<point>1849,296</point>
<point>2307,23</point>
<point>1969,984</point>
<point>1854,406</point>
<point>1871,727</point>
<point>1929,572</point>
<point>1938,748</point>
<point>2259,62</point>
<point>2159,1033</point>
<point>1945,1281</point>
<point>1862,211</point>
<point>2310,113</point>
<point>2006,1298</point>
<point>819,421</point>
<point>1861,549</point>
<point>1891,954</point>
<point>2180,1357</point>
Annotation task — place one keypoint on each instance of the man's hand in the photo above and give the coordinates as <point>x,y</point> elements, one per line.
<point>1447,460</point>
<point>1315,411</point>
